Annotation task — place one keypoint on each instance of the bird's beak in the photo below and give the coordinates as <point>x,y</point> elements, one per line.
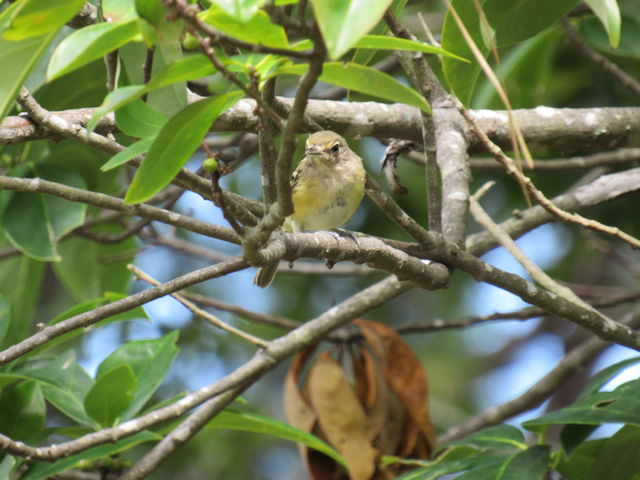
<point>312,150</point>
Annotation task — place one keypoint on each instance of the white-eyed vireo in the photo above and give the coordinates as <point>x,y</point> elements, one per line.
<point>327,188</point>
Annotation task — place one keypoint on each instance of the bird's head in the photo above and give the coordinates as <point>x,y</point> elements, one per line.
<point>326,146</point>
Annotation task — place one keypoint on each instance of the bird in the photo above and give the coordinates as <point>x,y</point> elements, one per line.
<point>326,189</point>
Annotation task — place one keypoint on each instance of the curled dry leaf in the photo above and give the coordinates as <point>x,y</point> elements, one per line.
<point>404,373</point>
<point>341,417</point>
<point>372,401</point>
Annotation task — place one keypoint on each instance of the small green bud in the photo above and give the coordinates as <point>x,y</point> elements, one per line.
<point>210,164</point>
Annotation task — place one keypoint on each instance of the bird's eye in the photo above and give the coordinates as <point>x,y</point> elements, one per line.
<point>335,148</point>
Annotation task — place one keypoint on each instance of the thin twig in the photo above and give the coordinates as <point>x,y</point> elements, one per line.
<point>190,14</point>
<point>511,168</point>
<point>509,244</point>
<point>212,319</point>
<point>128,303</point>
<point>541,390</point>
<point>600,61</point>
<point>271,320</point>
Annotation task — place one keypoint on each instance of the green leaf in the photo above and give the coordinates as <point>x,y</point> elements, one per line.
<point>531,464</point>
<point>134,314</point>
<point>42,470</point>
<point>580,463</point>
<point>437,468</point>
<point>365,80</point>
<point>494,438</point>
<point>64,215</point>
<point>26,30</point>
<point>174,145</point>
<point>240,10</point>
<point>89,88</point>
<point>149,360</point>
<point>258,29</point>
<point>88,269</point>
<point>618,459</point>
<point>17,60</point>
<point>39,17</point>
<point>27,226</point>
<point>168,50</point>
<point>461,76</point>
<point>117,10</point>
<point>527,70</point>
<point>64,383</point>
<point>364,56</point>
<point>619,406</point>
<point>7,465</point>
<point>138,148</point>
<point>182,70</point>
<point>23,411</point>
<point>591,30</point>
<point>516,20</point>
<point>603,376</point>
<point>110,395</point>
<point>90,43</point>
<point>344,22</point>
<point>151,10</point>
<point>5,317</point>
<point>139,120</point>
<point>382,42</point>
<point>244,421</point>
<point>20,282</point>
<point>608,13</point>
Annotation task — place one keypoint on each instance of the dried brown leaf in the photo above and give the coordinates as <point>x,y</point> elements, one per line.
<point>341,417</point>
<point>404,373</point>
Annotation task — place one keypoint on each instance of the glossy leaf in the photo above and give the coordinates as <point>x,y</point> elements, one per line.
<point>135,149</point>
<point>516,20</point>
<point>26,224</point>
<point>608,13</point>
<point>258,29</point>
<point>182,70</point>
<point>527,72</point>
<point>88,44</point>
<point>64,383</point>
<point>38,17</point>
<point>603,376</point>
<point>462,76</point>
<point>88,269</point>
<point>64,215</point>
<point>344,22</point>
<point>530,464</point>
<point>168,50</point>
<point>612,458</point>
<point>17,60</point>
<point>252,422</point>
<point>139,120</point>
<point>365,80</point>
<point>498,437</point>
<point>23,411</point>
<point>364,56</point>
<point>149,361</point>
<point>151,10</point>
<point>110,395</point>
<point>174,145</point>
<point>618,406</point>
<point>382,42</point>
<point>20,283</point>
<point>134,314</point>
<point>591,30</point>
<point>42,470</point>
<point>241,10</point>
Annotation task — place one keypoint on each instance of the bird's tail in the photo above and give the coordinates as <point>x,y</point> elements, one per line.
<point>265,275</point>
